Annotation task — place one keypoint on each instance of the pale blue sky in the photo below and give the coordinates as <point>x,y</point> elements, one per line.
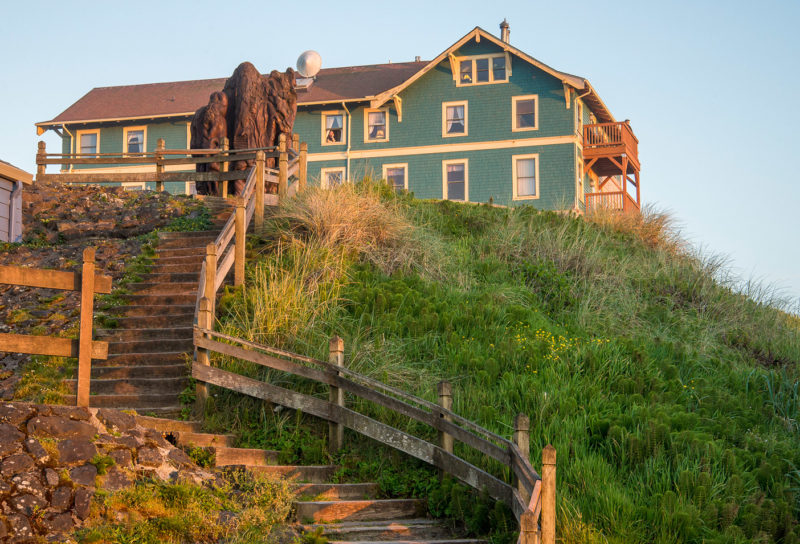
<point>708,86</point>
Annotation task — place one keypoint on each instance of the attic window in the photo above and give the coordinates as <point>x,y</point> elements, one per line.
<point>483,69</point>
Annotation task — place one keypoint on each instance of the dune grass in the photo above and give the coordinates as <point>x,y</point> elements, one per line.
<point>671,396</point>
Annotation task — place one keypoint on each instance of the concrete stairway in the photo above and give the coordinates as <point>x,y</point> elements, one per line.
<point>345,513</point>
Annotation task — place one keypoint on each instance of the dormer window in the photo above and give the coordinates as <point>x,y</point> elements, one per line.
<point>483,69</point>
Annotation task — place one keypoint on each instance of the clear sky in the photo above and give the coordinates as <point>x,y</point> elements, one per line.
<point>708,86</point>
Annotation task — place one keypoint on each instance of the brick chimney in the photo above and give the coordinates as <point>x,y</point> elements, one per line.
<point>505,31</point>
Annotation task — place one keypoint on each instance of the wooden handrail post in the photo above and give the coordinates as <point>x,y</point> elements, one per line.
<point>302,168</point>
<point>528,528</point>
<point>445,391</point>
<point>85,333</point>
<point>296,142</point>
<point>211,279</point>
<point>204,321</point>
<point>225,149</point>
<point>522,438</point>
<point>238,274</point>
<point>283,168</point>
<point>40,156</point>
<point>259,166</point>
<point>160,146</point>
<point>549,495</point>
<point>336,395</point>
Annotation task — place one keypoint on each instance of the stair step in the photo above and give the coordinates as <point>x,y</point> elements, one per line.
<point>301,473</point>
<point>141,403</point>
<point>180,252</point>
<point>187,234</point>
<point>180,268</point>
<point>337,491</point>
<point>169,425</point>
<point>371,531</point>
<point>350,510</point>
<point>422,540</point>
<point>151,346</point>
<point>154,321</point>
<point>190,261</point>
<point>133,371</point>
<point>133,386</point>
<point>171,277</point>
<point>204,439</point>
<point>168,288</point>
<point>174,333</point>
<point>153,310</point>
<point>182,299</point>
<point>244,456</point>
<point>187,243</point>
<point>168,358</point>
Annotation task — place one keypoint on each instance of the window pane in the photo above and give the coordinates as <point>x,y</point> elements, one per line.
<point>526,177</point>
<point>482,69</point>
<point>466,71</point>
<point>396,177</point>
<point>135,141</point>
<point>334,178</point>
<point>455,172</point>
<point>376,121</point>
<point>333,121</point>
<point>455,190</point>
<point>499,68</point>
<point>333,126</point>
<point>455,120</point>
<point>526,115</point>
<point>89,143</point>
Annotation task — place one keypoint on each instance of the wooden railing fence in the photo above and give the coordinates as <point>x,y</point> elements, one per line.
<point>618,201</point>
<point>610,134</point>
<point>84,348</point>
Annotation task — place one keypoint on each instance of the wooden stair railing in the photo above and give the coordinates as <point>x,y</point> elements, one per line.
<point>530,497</point>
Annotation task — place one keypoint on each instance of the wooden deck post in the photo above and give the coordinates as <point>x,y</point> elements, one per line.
<point>549,495</point>
<point>41,153</point>
<point>283,168</point>
<point>638,192</point>
<point>336,395</point>
<point>160,146</point>
<point>296,143</point>
<point>259,212</point>
<point>522,438</point>
<point>528,528</point>
<point>85,334</point>
<point>211,278</point>
<point>445,391</point>
<point>225,148</point>
<point>204,321</point>
<point>238,273</point>
<point>302,168</point>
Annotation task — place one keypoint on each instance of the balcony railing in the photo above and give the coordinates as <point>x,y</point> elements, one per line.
<point>617,201</point>
<point>610,137</point>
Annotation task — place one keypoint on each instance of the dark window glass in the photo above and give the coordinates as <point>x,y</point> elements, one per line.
<point>466,71</point>
<point>135,141</point>
<point>526,114</point>
<point>396,177</point>
<point>499,68</point>
<point>455,120</point>
<point>482,70</point>
<point>333,129</point>
<point>455,181</point>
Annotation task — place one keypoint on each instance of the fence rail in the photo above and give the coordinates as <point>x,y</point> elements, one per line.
<point>618,201</point>
<point>84,348</point>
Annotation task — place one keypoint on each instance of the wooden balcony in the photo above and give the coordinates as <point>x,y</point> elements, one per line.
<point>605,143</point>
<point>615,201</point>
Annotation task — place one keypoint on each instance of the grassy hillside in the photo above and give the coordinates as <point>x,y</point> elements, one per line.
<point>672,400</point>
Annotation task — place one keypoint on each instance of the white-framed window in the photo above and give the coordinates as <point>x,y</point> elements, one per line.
<point>525,176</point>
<point>334,129</point>
<point>578,116</point>
<point>483,69</point>
<point>455,180</point>
<point>579,188</point>
<point>376,125</point>
<point>134,139</point>
<point>331,177</point>
<point>524,112</point>
<point>88,141</point>
<point>455,119</point>
<point>396,175</point>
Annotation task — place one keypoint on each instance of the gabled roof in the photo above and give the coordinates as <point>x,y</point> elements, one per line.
<point>9,171</point>
<point>181,98</point>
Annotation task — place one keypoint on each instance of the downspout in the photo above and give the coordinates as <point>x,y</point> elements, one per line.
<point>347,152</point>
<point>71,144</point>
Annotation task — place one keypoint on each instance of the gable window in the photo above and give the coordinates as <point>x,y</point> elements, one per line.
<point>526,176</point>
<point>134,140</point>
<point>333,129</point>
<point>455,180</point>
<point>331,177</point>
<point>396,175</point>
<point>454,119</point>
<point>88,141</point>
<point>376,126</point>
<point>525,112</point>
<point>483,69</point>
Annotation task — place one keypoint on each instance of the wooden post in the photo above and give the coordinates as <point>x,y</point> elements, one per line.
<point>40,156</point>
<point>204,321</point>
<point>85,334</point>
<point>445,391</point>
<point>302,168</point>
<point>283,168</point>
<point>522,438</point>
<point>160,146</point>
<point>624,183</point>
<point>225,148</point>
<point>240,241</point>
<point>211,279</point>
<point>549,495</point>
<point>296,143</point>
<point>638,192</point>
<point>528,528</point>
<point>336,395</point>
<point>259,212</point>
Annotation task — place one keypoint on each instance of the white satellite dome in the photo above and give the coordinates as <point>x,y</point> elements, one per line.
<point>309,63</point>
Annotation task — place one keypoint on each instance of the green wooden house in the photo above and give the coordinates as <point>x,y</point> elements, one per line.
<point>481,122</point>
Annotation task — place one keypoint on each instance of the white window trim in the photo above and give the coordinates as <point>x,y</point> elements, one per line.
<point>514,159</point>
<point>403,165</point>
<point>578,116</point>
<point>323,175</point>
<point>445,105</point>
<point>323,130</point>
<point>367,111</point>
<point>580,180</point>
<point>473,58</point>
<point>445,164</point>
<point>125,132</point>
<point>79,133</point>
<point>514,100</point>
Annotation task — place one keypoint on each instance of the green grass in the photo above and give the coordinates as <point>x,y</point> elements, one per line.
<point>671,398</point>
